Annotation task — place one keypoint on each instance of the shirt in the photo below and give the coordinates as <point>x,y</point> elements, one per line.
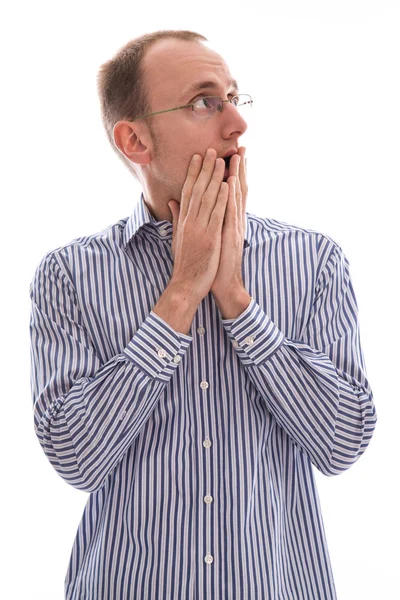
<point>198,450</point>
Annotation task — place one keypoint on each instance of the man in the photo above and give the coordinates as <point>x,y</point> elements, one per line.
<point>189,367</point>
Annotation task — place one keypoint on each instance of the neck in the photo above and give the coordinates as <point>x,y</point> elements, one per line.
<point>156,198</point>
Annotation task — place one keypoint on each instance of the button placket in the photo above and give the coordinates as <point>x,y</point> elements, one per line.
<point>208,499</point>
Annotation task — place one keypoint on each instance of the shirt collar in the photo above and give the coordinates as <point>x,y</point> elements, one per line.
<point>142,216</point>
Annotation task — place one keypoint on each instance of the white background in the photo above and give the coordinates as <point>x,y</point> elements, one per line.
<point>323,153</point>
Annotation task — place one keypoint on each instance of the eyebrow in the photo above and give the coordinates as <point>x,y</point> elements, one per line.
<point>202,85</point>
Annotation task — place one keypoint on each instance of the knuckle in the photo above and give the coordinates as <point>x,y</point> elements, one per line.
<point>185,190</point>
<point>187,186</point>
<point>217,172</point>
<point>193,192</point>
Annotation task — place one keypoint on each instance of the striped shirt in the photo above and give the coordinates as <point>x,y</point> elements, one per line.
<point>198,450</point>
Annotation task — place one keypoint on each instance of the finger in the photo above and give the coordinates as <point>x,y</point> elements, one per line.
<point>204,200</point>
<point>239,195</point>
<point>237,159</point>
<point>194,169</point>
<point>218,214</point>
<point>243,185</point>
<point>212,169</point>
<point>230,215</point>
<point>242,170</point>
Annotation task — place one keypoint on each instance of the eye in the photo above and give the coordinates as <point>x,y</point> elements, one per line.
<point>199,100</point>
<point>202,96</point>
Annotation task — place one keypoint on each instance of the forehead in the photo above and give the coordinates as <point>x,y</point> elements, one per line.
<point>171,66</point>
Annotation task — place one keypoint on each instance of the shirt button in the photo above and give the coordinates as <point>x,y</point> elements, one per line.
<point>163,232</point>
<point>249,340</point>
<point>201,330</point>
<point>208,559</point>
<point>208,499</point>
<point>177,358</point>
<point>204,385</point>
<point>161,353</point>
<point>207,443</point>
<point>235,344</point>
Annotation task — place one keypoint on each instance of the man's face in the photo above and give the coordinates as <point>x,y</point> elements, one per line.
<point>170,67</point>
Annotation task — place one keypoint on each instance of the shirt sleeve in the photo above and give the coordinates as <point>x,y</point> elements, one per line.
<point>86,414</point>
<point>316,386</point>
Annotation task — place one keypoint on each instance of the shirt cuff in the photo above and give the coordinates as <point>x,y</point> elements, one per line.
<point>253,335</point>
<point>156,348</point>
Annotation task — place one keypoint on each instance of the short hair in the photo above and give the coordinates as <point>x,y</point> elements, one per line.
<point>121,84</point>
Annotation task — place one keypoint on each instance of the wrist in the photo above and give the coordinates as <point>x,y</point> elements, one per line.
<point>232,305</point>
<point>183,295</point>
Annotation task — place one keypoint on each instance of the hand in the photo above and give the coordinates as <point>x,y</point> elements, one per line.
<point>228,280</point>
<point>197,225</point>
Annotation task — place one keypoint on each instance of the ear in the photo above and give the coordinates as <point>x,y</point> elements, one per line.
<point>133,141</point>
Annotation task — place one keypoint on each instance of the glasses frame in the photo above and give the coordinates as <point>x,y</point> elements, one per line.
<point>191,104</point>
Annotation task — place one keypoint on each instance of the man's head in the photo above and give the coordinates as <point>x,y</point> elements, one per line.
<point>158,149</point>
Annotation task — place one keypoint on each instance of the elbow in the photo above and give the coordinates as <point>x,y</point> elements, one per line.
<point>71,473</point>
<point>332,468</point>
<point>84,484</point>
<point>76,477</point>
<point>352,439</point>
<point>65,462</point>
<point>348,449</point>
<point>335,465</point>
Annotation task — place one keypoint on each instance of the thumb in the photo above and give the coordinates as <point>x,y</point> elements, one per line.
<point>173,206</point>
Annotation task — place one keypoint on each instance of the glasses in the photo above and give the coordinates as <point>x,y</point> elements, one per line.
<point>206,106</point>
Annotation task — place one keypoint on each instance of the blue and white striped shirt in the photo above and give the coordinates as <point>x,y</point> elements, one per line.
<point>197,450</point>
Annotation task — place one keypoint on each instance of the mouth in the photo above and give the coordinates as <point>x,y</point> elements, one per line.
<point>227,160</point>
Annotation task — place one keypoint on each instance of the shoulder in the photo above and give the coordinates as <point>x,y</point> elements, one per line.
<point>273,227</point>
<point>309,245</point>
<point>66,257</point>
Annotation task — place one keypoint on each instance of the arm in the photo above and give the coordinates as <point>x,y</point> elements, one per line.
<point>87,414</point>
<point>315,386</point>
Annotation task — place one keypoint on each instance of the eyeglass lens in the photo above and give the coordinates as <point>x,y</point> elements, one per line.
<point>210,104</point>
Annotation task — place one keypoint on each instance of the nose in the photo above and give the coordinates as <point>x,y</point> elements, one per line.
<point>233,118</point>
